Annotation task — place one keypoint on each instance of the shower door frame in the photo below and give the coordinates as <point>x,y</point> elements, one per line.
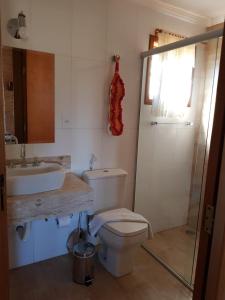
<point>210,270</point>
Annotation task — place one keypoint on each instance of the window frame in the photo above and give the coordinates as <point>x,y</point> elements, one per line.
<point>153,38</point>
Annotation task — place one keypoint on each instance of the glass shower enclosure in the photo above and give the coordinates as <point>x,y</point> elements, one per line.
<point>173,147</point>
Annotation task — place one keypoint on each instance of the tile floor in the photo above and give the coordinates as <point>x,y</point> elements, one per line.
<point>52,279</point>
<point>176,248</point>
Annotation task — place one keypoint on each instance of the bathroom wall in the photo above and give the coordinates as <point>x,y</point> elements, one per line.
<point>84,34</point>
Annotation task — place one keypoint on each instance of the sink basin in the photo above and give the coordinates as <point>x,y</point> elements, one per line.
<point>31,180</point>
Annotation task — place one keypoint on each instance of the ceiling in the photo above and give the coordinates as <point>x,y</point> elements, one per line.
<point>208,8</point>
<point>211,10</point>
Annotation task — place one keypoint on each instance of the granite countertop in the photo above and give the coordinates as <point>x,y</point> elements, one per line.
<point>74,196</point>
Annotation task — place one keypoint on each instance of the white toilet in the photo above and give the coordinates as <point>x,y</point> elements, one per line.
<point>119,240</point>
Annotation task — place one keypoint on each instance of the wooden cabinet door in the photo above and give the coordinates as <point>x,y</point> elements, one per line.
<point>4,270</point>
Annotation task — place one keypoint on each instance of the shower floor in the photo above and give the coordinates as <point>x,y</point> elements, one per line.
<point>176,248</point>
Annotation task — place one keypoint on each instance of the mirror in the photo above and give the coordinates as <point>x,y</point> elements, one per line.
<point>29,88</point>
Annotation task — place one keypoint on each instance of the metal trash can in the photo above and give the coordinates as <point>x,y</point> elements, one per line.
<point>83,265</point>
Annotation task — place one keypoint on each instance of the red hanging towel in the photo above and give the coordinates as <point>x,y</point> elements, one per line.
<point>117,93</point>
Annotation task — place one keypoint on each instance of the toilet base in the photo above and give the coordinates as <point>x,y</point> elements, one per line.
<point>118,263</point>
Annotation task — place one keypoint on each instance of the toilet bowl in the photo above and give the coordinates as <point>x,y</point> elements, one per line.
<point>119,241</point>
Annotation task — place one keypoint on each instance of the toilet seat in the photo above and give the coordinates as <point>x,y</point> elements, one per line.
<point>126,229</point>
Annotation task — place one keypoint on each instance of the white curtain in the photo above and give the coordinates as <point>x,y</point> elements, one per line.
<point>171,79</point>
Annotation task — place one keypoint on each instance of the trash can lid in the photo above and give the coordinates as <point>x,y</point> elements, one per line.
<point>84,249</point>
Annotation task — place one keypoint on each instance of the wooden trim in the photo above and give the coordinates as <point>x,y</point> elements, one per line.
<point>148,101</point>
<point>215,27</point>
<point>4,273</point>
<point>216,274</point>
<point>20,95</point>
<point>192,85</point>
<point>211,189</point>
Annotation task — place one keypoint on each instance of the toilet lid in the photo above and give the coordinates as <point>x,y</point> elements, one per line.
<point>126,228</point>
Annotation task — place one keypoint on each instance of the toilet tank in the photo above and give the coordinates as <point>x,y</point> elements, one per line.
<point>109,186</point>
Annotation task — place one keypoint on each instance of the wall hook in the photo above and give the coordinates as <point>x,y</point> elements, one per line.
<point>116,58</point>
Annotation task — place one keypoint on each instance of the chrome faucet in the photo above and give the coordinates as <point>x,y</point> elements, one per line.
<point>23,156</point>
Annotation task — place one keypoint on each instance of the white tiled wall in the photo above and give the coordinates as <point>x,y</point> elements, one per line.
<point>165,161</point>
<point>84,34</point>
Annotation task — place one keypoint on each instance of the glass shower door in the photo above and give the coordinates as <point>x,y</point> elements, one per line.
<point>171,167</point>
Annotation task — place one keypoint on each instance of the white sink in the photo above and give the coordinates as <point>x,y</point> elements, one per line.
<point>31,180</point>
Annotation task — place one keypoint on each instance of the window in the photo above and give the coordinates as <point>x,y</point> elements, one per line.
<point>169,77</point>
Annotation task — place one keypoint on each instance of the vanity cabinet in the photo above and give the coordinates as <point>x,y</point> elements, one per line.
<point>74,196</point>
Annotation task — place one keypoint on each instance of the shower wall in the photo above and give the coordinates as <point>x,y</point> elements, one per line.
<point>201,148</point>
<point>165,158</point>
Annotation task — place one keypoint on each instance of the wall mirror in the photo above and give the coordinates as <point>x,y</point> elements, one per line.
<point>29,88</point>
